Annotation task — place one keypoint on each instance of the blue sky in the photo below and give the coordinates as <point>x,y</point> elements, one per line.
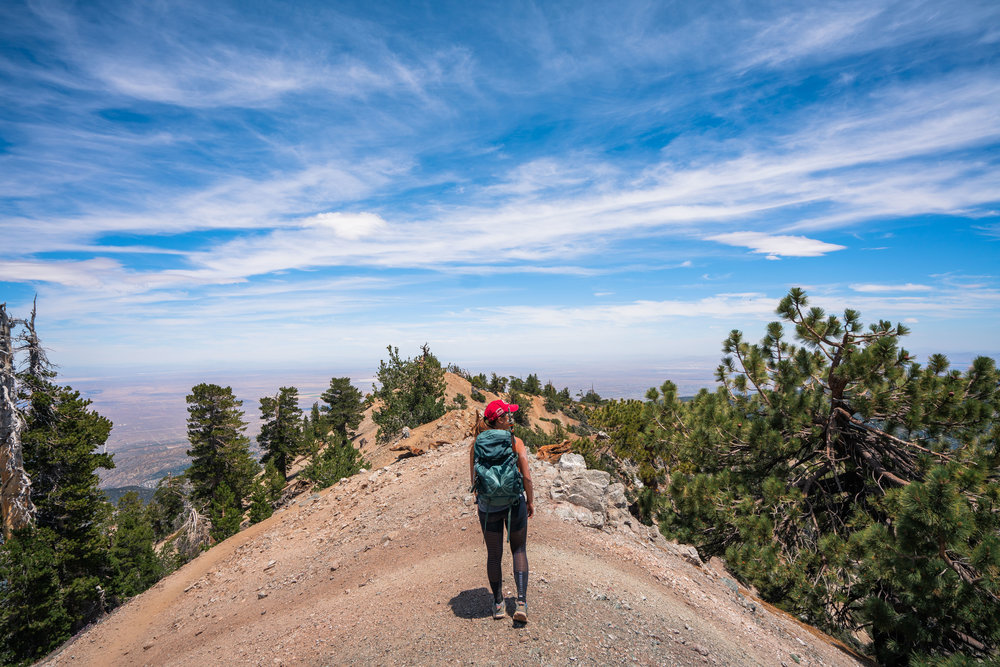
<point>523,186</point>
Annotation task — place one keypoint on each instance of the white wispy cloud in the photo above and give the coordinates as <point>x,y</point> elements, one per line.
<point>348,226</point>
<point>251,66</point>
<point>98,274</point>
<point>642,312</point>
<point>873,287</point>
<point>812,30</point>
<point>775,246</point>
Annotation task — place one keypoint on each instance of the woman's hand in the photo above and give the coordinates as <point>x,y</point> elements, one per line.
<point>531,508</point>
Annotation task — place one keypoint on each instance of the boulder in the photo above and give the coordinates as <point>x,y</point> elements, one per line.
<point>574,513</point>
<point>599,478</point>
<point>585,493</point>
<point>571,462</point>
<point>616,495</point>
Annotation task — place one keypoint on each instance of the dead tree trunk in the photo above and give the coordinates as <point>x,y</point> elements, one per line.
<point>38,363</point>
<point>16,507</point>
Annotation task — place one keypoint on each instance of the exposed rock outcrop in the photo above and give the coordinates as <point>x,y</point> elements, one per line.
<point>590,498</point>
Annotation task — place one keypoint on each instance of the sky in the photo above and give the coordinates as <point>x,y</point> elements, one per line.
<point>566,187</point>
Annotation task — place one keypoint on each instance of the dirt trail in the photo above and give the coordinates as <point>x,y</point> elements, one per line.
<point>389,568</point>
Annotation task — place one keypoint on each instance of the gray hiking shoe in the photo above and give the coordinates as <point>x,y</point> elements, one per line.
<point>521,612</point>
<point>499,609</point>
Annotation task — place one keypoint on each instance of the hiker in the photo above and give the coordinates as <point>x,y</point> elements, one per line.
<point>502,463</point>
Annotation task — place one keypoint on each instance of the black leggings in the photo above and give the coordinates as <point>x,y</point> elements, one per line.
<point>492,524</point>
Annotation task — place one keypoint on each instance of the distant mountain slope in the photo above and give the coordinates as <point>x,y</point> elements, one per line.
<point>389,567</point>
<point>113,494</point>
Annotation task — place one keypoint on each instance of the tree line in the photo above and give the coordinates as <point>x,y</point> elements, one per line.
<point>849,484</point>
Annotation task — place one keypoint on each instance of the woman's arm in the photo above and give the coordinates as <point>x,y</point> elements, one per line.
<point>522,465</point>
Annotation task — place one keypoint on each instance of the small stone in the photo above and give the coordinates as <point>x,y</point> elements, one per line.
<point>261,595</point>
<point>334,566</point>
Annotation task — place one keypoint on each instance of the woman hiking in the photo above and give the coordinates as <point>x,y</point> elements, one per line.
<point>498,467</point>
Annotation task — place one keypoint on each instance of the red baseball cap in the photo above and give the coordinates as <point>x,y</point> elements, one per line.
<point>498,408</point>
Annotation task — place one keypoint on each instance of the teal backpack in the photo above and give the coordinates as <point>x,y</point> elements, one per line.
<point>498,479</point>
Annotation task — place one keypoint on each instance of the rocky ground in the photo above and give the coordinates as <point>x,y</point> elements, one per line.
<point>388,567</point>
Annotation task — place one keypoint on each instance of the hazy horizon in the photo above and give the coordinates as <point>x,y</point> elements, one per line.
<point>149,407</point>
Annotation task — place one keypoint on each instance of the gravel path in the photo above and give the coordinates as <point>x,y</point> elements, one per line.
<point>389,568</point>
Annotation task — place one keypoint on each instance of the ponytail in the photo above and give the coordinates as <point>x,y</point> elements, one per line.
<point>482,424</point>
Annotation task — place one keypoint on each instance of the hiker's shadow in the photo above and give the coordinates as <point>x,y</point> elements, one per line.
<point>473,603</point>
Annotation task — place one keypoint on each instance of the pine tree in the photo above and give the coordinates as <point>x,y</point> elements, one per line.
<point>273,481</point>
<point>849,484</point>
<point>134,563</point>
<point>60,442</point>
<point>591,398</point>
<point>224,512</point>
<point>53,569</point>
<point>498,384</point>
<point>219,449</point>
<point>344,407</point>
<point>532,385</point>
<point>521,417</point>
<point>549,391</point>
<point>33,615</point>
<point>281,432</point>
<point>319,426</point>
<point>166,509</point>
<point>260,506</point>
<point>411,392</point>
<point>338,460</point>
